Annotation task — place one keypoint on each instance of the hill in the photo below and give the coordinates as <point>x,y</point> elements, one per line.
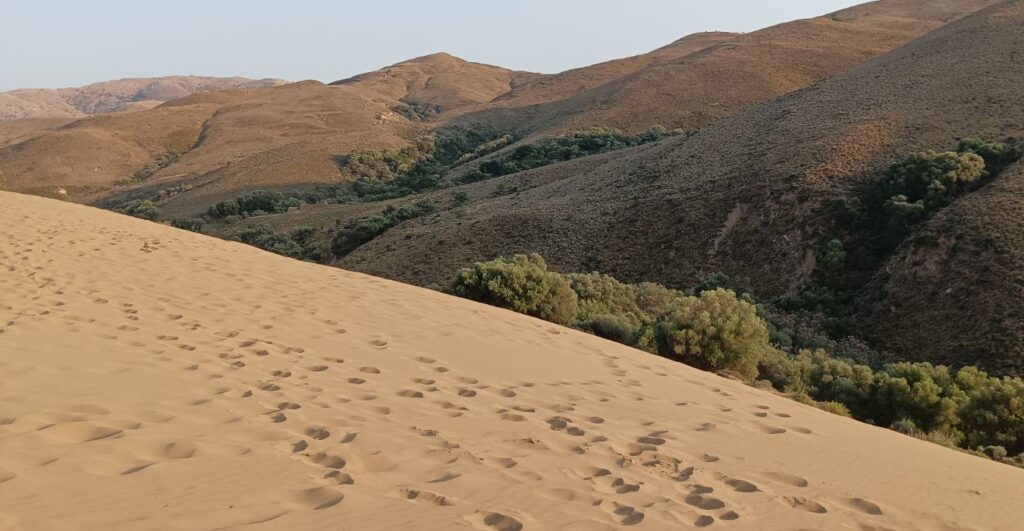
<point>752,195</point>
<point>694,81</point>
<point>114,96</point>
<point>298,136</point>
<point>165,379</point>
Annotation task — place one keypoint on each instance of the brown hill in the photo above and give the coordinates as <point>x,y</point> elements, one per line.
<point>114,96</point>
<point>710,76</point>
<point>748,195</point>
<point>244,139</point>
<point>440,80</point>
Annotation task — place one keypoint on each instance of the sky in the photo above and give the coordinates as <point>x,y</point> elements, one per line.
<point>61,43</point>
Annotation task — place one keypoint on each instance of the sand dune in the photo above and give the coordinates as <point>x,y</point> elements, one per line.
<point>159,379</point>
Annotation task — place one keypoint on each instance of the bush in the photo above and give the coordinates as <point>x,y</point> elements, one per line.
<point>716,331</point>
<point>359,231</point>
<point>611,327</point>
<point>560,149</point>
<point>144,209</point>
<point>162,161</point>
<point>994,415</point>
<point>258,203</point>
<point>264,237</point>
<point>192,224</point>
<point>521,283</point>
<point>835,408</point>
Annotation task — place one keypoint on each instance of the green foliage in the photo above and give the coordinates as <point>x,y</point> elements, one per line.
<point>359,231</point>
<point>258,203</point>
<point>460,198</point>
<point>192,224</point>
<point>143,208</point>
<point>994,415</point>
<point>716,331</point>
<point>521,283</point>
<point>300,243</point>
<point>264,237</point>
<point>417,111</point>
<point>720,331</point>
<point>162,161</point>
<point>560,149</point>
<point>387,164</point>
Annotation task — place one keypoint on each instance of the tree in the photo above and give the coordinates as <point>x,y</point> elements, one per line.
<point>716,331</point>
<point>521,283</point>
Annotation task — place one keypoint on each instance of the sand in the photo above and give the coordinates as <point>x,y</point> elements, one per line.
<point>152,378</point>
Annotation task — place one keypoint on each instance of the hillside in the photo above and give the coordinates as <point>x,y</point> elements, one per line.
<point>114,96</point>
<point>165,379</point>
<point>749,195</point>
<point>694,81</point>
<point>297,135</point>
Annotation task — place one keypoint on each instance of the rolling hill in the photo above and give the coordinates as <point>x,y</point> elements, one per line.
<point>122,95</point>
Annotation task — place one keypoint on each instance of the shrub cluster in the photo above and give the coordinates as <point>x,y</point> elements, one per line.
<point>162,161</point>
<point>299,243</point>
<point>521,283</point>
<point>258,203</point>
<point>359,231</point>
<point>720,331</point>
<point>192,224</point>
<point>140,208</point>
<point>560,149</point>
<point>964,408</point>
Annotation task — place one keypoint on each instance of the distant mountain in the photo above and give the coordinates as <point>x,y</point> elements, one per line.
<point>114,96</point>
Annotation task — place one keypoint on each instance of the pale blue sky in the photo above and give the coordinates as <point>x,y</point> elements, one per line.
<point>57,43</point>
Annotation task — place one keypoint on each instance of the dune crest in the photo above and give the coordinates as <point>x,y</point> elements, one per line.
<point>155,378</point>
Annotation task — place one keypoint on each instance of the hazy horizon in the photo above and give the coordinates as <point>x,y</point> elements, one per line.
<point>51,44</point>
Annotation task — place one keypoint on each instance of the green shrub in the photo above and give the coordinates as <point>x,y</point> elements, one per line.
<point>611,327</point>
<point>264,237</point>
<point>360,231</point>
<point>716,331</point>
<point>192,224</point>
<point>835,408</point>
<point>162,161</point>
<point>994,415</point>
<point>144,209</point>
<point>560,149</point>
<point>521,283</point>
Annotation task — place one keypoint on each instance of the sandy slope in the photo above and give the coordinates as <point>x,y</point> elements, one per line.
<point>158,379</point>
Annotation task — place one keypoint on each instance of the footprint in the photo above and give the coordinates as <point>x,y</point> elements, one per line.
<point>424,495</point>
<point>356,381</point>
<point>369,370</point>
<point>328,460</point>
<point>379,343</point>
<point>787,479</point>
<point>468,393</point>
<point>317,368</point>
<point>407,393</point>
<point>804,504</point>
<point>707,503</point>
<point>704,521</point>
<point>317,432</point>
<point>496,521</point>
<point>742,486</point>
<point>864,506</point>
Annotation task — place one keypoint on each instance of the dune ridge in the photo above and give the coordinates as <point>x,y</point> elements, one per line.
<point>160,379</point>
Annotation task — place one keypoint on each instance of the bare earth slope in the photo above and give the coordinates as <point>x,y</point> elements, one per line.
<point>114,96</point>
<point>747,194</point>
<point>159,379</point>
